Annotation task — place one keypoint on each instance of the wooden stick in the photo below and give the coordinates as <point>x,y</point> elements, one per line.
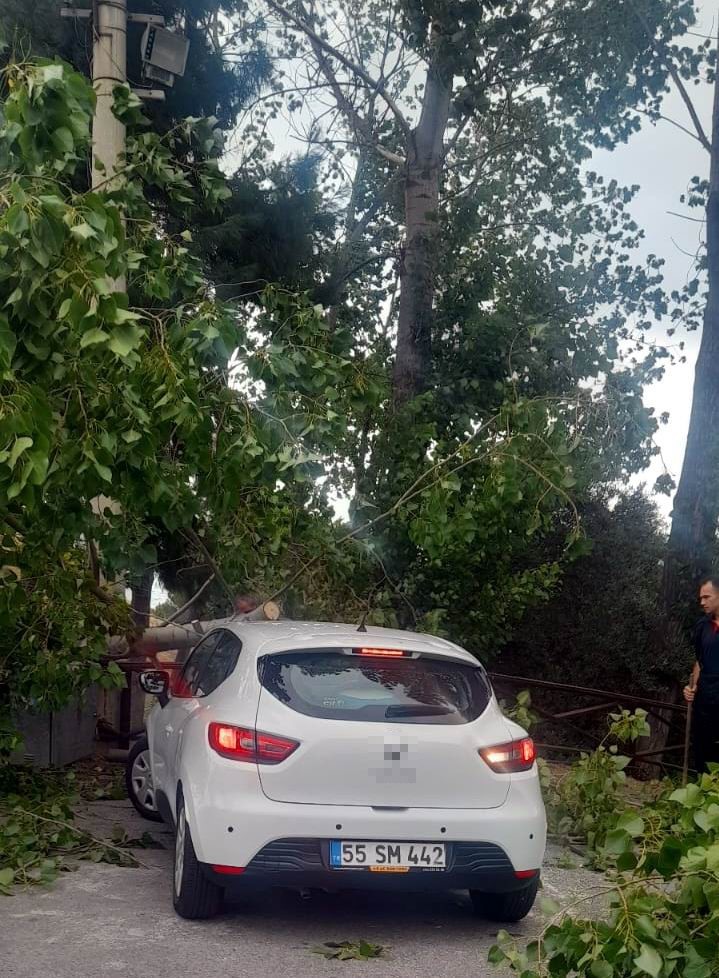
<point>189,604</point>
<point>687,742</point>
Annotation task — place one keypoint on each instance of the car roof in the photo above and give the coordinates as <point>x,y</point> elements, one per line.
<point>266,637</point>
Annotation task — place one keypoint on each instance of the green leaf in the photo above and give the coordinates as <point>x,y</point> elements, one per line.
<point>125,339</point>
<point>631,823</point>
<point>549,907</point>
<point>21,445</point>
<point>496,955</point>
<point>669,856</point>
<point>689,797</point>
<point>626,862</point>
<point>649,961</point>
<point>711,892</point>
<point>91,336</point>
<point>103,285</point>
<point>103,471</point>
<point>7,875</point>
<point>64,308</point>
<point>712,858</point>
<point>131,436</point>
<point>16,220</point>
<point>51,73</point>
<point>617,842</point>
<point>118,315</point>
<point>82,232</point>
<point>62,140</point>
<point>601,969</point>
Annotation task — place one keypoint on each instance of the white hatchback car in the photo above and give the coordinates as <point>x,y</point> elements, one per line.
<point>315,755</point>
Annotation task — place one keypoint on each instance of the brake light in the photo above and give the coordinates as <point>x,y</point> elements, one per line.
<point>229,870</point>
<point>384,653</point>
<point>511,758</point>
<point>525,874</point>
<point>245,744</point>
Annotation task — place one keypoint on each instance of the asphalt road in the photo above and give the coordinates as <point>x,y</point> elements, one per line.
<point>104,920</point>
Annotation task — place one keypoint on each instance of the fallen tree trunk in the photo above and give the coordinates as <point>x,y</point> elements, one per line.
<point>172,636</point>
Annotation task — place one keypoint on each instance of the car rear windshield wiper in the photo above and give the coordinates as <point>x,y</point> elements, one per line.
<point>418,711</point>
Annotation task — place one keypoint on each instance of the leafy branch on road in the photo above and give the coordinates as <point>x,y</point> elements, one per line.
<point>350,950</point>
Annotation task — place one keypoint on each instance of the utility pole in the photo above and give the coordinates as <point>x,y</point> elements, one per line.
<point>164,58</point>
<point>109,69</point>
<point>164,55</point>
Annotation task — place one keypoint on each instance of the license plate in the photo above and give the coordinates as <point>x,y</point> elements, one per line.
<point>388,856</point>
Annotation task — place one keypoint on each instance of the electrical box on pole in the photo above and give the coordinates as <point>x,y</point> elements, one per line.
<point>164,54</point>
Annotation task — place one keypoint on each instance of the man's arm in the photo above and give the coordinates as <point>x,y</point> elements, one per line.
<point>690,690</point>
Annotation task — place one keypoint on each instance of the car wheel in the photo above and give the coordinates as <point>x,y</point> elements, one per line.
<point>138,781</point>
<point>194,896</point>
<point>506,908</point>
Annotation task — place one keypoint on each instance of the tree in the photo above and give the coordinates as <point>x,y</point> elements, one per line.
<point>269,225</point>
<point>412,80</point>
<point>598,627</point>
<point>114,417</point>
<point>532,325</point>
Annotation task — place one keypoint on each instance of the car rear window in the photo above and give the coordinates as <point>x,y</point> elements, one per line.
<point>337,685</point>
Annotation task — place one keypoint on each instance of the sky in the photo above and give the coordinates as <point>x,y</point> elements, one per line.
<point>662,160</point>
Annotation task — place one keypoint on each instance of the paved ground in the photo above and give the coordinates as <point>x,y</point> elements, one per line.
<point>104,920</point>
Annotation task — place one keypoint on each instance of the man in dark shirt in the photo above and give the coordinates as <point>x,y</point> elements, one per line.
<point>703,688</point>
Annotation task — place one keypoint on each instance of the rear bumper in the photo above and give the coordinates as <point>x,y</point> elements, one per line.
<point>480,866</point>
<point>232,827</point>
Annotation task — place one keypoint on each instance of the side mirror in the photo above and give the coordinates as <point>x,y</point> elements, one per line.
<point>155,682</point>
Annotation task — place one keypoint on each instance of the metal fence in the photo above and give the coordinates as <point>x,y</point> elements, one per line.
<point>671,715</point>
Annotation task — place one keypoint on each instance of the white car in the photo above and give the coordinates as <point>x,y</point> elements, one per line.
<point>314,755</point>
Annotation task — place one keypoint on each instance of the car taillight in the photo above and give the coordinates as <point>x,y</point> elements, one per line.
<point>245,744</point>
<point>384,653</point>
<point>518,755</point>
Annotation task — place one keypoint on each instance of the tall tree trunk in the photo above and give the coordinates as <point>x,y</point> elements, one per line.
<point>418,269</point>
<point>142,598</point>
<point>691,543</point>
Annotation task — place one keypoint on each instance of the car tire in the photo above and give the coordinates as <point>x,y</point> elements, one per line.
<point>138,781</point>
<point>194,896</point>
<point>505,908</point>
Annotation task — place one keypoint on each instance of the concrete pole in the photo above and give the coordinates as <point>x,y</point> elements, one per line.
<point>109,68</point>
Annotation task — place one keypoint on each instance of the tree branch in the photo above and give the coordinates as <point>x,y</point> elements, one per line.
<point>200,544</point>
<point>189,604</point>
<point>672,122</point>
<point>92,586</point>
<point>676,78</point>
<point>377,85</point>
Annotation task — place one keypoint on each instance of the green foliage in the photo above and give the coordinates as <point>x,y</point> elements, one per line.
<point>164,610</point>
<point>663,906</point>
<point>521,710</point>
<point>602,627</point>
<point>350,950</point>
<point>584,804</point>
<point>116,415</point>
<point>38,837</point>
